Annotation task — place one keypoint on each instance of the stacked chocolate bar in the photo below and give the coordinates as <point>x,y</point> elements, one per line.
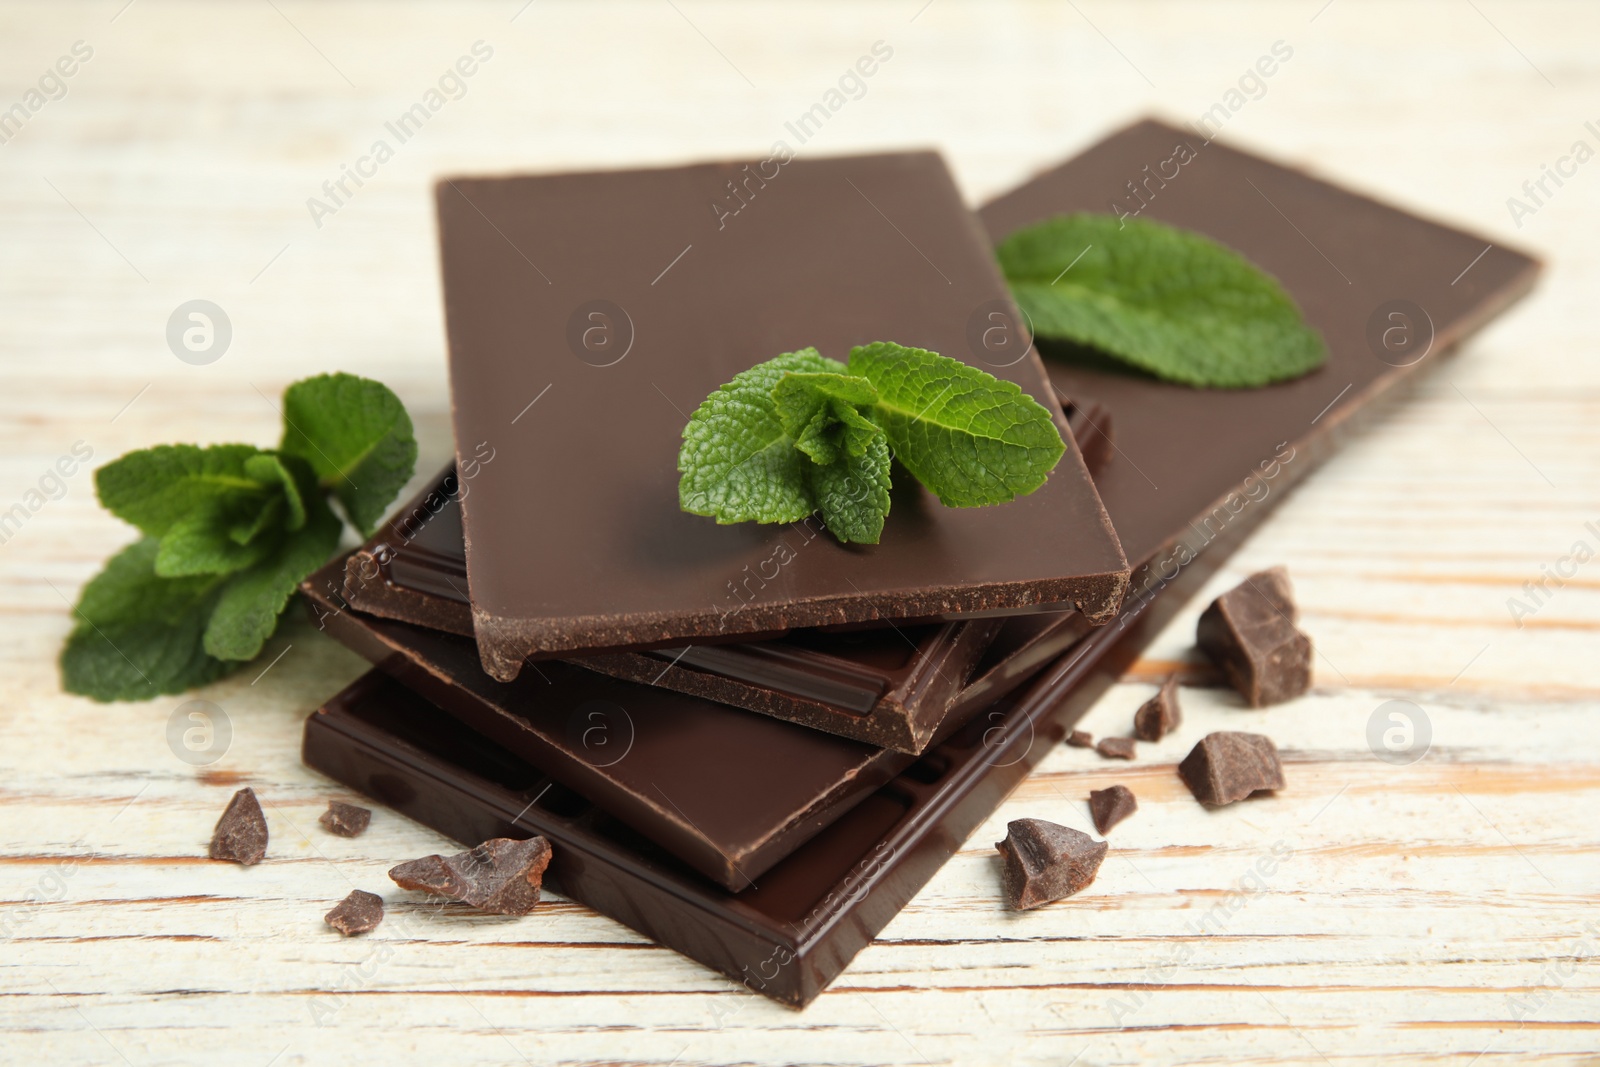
<point>754,744</point>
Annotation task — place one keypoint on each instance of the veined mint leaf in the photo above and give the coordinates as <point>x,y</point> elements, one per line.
<point>273,470</point>
<point>246,531</point>
<point>737,464</point>
<point>231,531</point>
<point>137,635</point>
<point>357,438</point>
<point>154,488</point>
<point>1167,301</point>
<point>821,413</point>
<point>969,437</point>
<point>208,540</point>
<point>250,602</point>
<point>200,543</point>
<point>852,492</point>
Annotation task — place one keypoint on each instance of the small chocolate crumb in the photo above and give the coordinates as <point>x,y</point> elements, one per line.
<point>356,914</point>
<point>1080,739</point>
<point>1160,715</point>
<point>1110,806</point>
<point>1117,747</point>
<point>1250,633</point>
<point>501,875</point>
<point>1228,766</point>
<point>241,833</point>
<point>346,820</point>
<point>1043,862</point>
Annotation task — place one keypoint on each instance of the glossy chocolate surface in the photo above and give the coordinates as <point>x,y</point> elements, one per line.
<point>589,314</point>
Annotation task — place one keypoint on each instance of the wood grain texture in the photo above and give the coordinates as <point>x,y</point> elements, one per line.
<point>1438,912</point>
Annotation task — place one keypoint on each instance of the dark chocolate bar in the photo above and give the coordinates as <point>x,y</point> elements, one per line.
<point>729,792</point>
<point>589,314</point>
<point>889,686</point>
<point>1182,465</point>
<point>814,910</point>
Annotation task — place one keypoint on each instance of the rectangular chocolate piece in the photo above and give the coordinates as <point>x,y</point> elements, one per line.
<point>1348,261</point>
<point>1181,465</point>
<point>889,686</point>
<point>727,791</point>
<point>589,314</point>
<point>816,909</point>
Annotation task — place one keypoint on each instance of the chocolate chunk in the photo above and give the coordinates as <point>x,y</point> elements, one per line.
<point>1250,633</point>
<point>1111,805</point>
<point>501,875</point>
<point>346,820</point>
<point>1227,766</point>
<point>241,833</point>
<point>1080,739</point>
<point>1045,862</point>
<point>1160,715</point>
<point>356,914</point>
<point>1117,747</point>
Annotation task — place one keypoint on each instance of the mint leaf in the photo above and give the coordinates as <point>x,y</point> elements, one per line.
<point>969,437</point>
<point>1167,301</point>
<point>248,530</point>
<point>800,434</point>
<point>154,488</point>
<point>221,535</point>
<point>357,438</point>
<point>250,602</point>
<point>272,470</point>
<point>821,412</point>
<point>200,543</point>
<point>231,530</point>
<point>852,493</point>
<point>137,635</point>
<point>737,464</point>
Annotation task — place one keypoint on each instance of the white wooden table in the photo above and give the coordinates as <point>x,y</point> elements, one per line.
<point>1443,910</point>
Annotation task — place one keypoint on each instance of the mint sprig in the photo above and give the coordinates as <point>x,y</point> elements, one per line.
<point>1163,300</point>
<point>803,434</point>
<point>229,533</point>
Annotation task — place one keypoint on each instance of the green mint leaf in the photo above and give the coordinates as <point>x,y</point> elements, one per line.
<point>137,635</point>
<point>821,412</point>
<point>250,602</point>
<point>200,543</point>
<point>1168,301</point>
<point>248,530</point>
<point>852,492</point>
<point>273,470</point>
<point>208,540</point>
<point>154,488</point>
<point>972,439</point>
<point>737,464</point>
<point>357,438</point>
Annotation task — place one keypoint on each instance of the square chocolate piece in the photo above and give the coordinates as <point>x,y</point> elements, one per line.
<point>589,314</point>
